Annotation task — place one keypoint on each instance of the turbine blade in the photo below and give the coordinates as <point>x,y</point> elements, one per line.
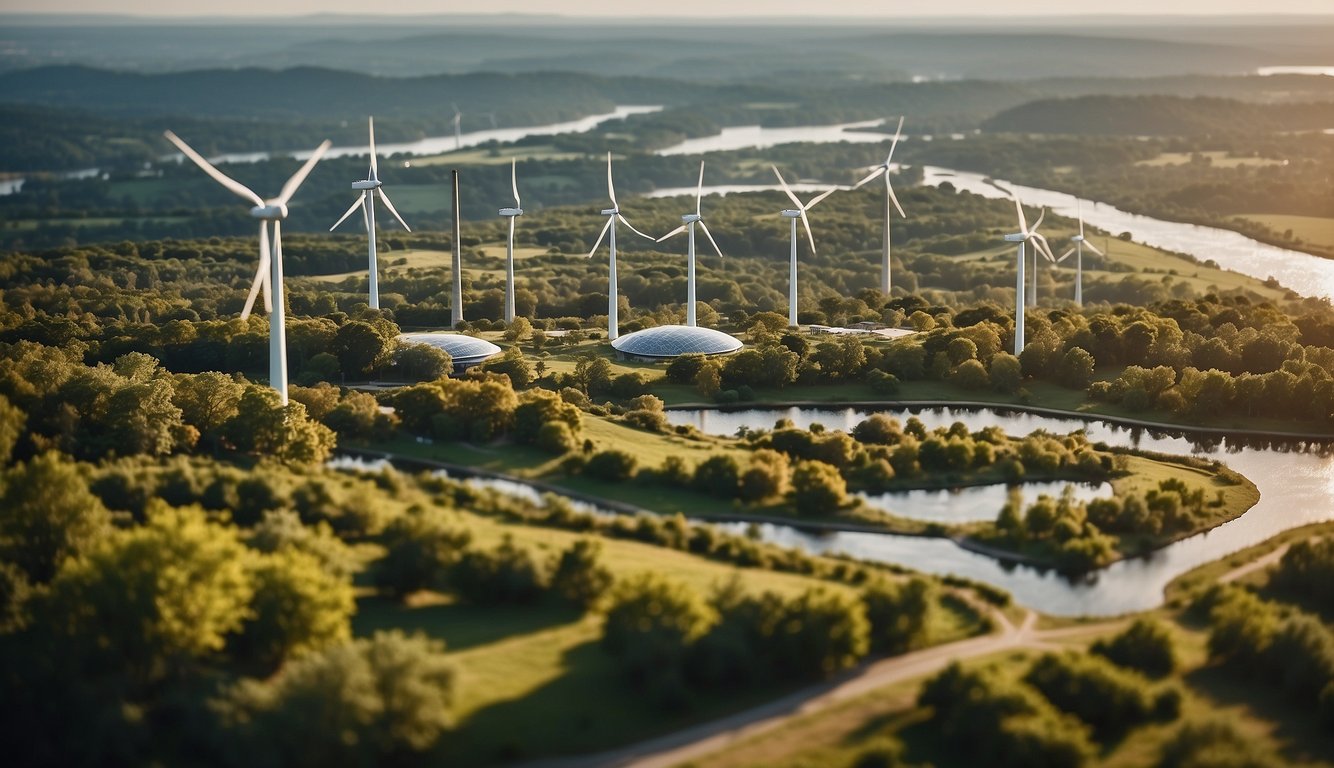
<point>1079,208</point>
<point>269,298</point>
<point>709,235</point>
<point>790,196</point>
<point>673,233</point>
<point>611,187</point>
<point>290,187</point>
<point>627,223</point>
<point>598,244</point>
<point>1038,223</point>
<point>1041,243</point>
<point>514,180</point>
<point>385,199</point>
<point>1065,255</point>
<point>1023,222</point>
<point>815,201</point>
<point>361,201</point>
<point>870,176</point>
<point>258,282</point>
<point>1093,248</point>
<point>218,176</point>
<point>897,133</point>
<point>699,188</point>
<point>807,224</point>
<point>375,167</point>
<point>892,197</point>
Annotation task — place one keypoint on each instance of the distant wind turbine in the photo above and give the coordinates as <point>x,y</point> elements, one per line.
<point>370,187</point>
<point>883,169</point>
<point>613,215</point>
<point>688,227</point>
<point>269,275</point>
<point>458,130</point>
<point>1078,250</point>
<point>1021,237</point>
<point>793,214</point>
<point>511,213</point>
<point>1033,278</point>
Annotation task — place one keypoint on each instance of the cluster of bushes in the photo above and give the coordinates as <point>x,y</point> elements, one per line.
<point>1060,711</point>
<point>1306,574</point>
<point>425,549</point>
<point>484,407</point>
<point>671,641</point>
<point>1079,535</point>
<point>1272,644</point>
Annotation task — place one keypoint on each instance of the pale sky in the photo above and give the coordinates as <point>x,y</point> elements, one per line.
<point>686,10</point>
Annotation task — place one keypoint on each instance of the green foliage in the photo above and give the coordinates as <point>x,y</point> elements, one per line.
<point>817,488</point>
<point>900,613</point>
<point>47,516</point>
<point>150,597</point>
<point>264,426</point>
<point>506,574</point>
<point>1213,744</point>
<point>421,362</point>
<point>612,465</point>
<point>386,698</point>
<point>579,576</point>
<point>1306,571</point>
<point>1111,700</point>
<point>1146,645</point>
<point>12,420</point>
<point>651,622</point>
<point>420,549</point>
<point>297,607</point>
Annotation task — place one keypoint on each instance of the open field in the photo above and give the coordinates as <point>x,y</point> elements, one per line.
<point>1311,229</point>
<point>1218,159</point>
<point>27,224</point>
<point>486,156</point>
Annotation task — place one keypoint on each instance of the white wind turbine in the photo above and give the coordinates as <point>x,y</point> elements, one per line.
<point>369,188</point>
<point>613,215</point>
<point>883,169</point>
<point>1078,250</point>
<point>1033,279</point>
<point>793,214</point>
<point>688,227</point>
<point>458,131</point>
<point>269,276</point>
<point>511,213</point>
<point>1039,242</point>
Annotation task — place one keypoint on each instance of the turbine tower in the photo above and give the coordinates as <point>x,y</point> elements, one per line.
<point>883,169</point>
<point>793,214</point>
<point>269,275</point>
<point>1021,237</point>
<point>1078,250</point>
<point>511,213</point>
<point>688,227</point>
<point>613,215</point>
<point>458,132</point>
<point>1033,278</point>
<point>369,188</point>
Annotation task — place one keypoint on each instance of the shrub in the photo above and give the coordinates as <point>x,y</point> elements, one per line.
<point>1145,646</point>
<point>1213,743</point>
<point>651,623</point>
<point>555,437</point>
<point>900,613</point>
<point>1110,699</point>
<point>506,574</point>
<point>579,575</point>
<point>420,548</point>
<point>718,475</point>
<point>817,488</point>
<point>611,465</point>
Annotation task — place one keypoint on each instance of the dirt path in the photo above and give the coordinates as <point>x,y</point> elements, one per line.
<point>706,738</point>
<point>1257,564</point>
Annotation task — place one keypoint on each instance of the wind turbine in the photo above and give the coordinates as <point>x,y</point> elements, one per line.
<point>458,122</point>
<point>690,220</point>
<point>269,276</point>
<point>1023,236</point>
<point>613,215</point>
<point>793,214</point>
<point>370,187</point>
<point>1033,279</point>
<point>511,213</point>
<point>1078,249</point>
<point>883,169</point>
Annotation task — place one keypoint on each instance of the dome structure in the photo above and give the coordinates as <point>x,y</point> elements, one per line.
<point>465,351</point>
<point>665,342</point>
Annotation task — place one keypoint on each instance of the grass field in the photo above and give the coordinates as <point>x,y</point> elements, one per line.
<point>1311,229</point>
<point>27,224</point>
<point>531,679</point>
<point>1218,159</point>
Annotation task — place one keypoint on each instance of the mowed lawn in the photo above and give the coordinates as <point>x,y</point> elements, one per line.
<point>1317,230</point>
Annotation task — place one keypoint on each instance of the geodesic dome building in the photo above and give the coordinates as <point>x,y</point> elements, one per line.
<point>666,342</point>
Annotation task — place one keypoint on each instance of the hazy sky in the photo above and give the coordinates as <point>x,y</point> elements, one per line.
<point>687,9</point>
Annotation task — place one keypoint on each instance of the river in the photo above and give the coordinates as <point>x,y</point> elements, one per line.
<point>1296,486</point>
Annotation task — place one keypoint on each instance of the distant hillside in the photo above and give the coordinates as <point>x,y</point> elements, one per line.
<point>1159,116</point>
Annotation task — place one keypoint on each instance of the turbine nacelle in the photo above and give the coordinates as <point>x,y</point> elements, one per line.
<point>1017,237</point>
<point>511,211</point>
<point>1077,239</point>
<point>365,184</point>
<point>270,212</point>
<point>691,218</point>
<point>790,214</point>
<point>611,211</point>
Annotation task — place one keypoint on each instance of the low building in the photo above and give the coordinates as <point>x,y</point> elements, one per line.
<point>666,342</point>
<point>465,351</point>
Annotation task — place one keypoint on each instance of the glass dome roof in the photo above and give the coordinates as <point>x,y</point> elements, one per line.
<point>667,341</point>
<point>461,348</point>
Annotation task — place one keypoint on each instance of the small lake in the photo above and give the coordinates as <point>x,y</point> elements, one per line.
<point>761,137</point>
<point>1296,483</point>
<point>1289,70</point>
<point>974,503</point>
